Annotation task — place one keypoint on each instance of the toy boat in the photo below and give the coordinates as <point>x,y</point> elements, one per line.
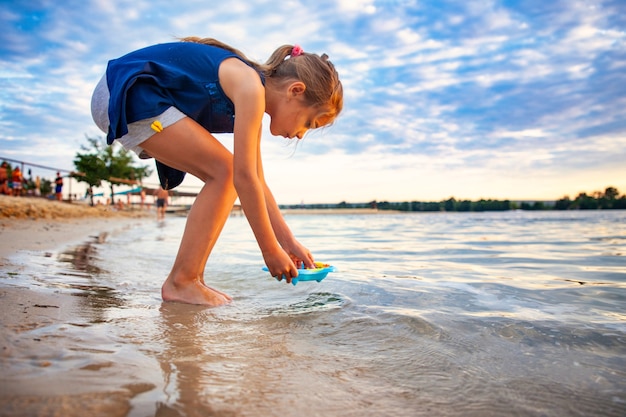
<point>311,274</point>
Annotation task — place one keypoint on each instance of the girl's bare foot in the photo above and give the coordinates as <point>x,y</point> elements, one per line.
<point>223,294</point>
<point>194,292</point>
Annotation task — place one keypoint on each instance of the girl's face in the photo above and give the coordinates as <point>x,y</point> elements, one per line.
<point>292,117</point>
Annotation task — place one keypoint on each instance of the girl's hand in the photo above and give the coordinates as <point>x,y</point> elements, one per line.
<point>300,255</point>
<point>280,265</point>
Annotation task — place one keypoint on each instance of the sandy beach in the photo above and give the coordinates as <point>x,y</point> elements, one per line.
<point>40,225</point>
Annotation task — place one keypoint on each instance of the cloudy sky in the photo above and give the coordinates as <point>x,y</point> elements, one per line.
<point>471,99</point>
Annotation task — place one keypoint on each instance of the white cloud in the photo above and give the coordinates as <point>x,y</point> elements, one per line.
<point>527,133</point>
<point>408,36</point>
<point>357,6</point>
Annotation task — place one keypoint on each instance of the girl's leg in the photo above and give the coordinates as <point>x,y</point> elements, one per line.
<point>187,146</point>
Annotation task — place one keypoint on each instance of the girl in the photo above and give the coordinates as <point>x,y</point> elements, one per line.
<point>166,101</point>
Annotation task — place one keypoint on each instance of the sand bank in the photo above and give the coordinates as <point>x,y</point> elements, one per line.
<point>31,385</point>
<point>40,224</point>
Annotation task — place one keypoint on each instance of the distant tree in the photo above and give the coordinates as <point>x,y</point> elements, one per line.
<point>585,202</point>
<point>563,203</point>
<point>538,205</point>
<point>90,166</point>
<point>449,204</point>
<point>404,206</point>
<point>465,205</point>
<point>45,187</point>
<point>608,198</point>
<point>100,162</point>
<point>611,193</point>
<point>431,206</point>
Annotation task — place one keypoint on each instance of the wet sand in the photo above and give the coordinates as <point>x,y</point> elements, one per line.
<point>28,317</point>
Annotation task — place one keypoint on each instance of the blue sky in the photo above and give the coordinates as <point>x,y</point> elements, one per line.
<point>471,99</point>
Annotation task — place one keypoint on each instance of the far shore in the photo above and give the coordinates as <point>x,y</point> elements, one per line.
<point>337,211</point>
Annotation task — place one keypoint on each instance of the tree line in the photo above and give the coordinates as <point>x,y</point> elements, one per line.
<point>607,200</point>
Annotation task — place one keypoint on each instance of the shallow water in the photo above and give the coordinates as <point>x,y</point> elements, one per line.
<point>447,314</point>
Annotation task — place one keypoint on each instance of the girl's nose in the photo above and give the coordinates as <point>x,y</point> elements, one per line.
<point>301,133</point>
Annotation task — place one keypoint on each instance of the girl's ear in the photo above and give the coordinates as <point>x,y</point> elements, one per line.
<point>296,88</point>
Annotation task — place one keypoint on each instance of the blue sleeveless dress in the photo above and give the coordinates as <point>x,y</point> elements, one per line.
<point>146,82</point>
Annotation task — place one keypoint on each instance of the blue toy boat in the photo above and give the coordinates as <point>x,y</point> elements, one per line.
<point>316,274</point>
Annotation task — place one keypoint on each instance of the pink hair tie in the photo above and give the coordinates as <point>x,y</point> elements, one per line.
<point>296,51</point>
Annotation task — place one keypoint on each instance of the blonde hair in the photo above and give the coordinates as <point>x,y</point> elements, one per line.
<point>323,87</point>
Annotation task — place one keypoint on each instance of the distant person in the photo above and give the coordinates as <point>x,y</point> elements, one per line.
<point>37,186</point>
<point>17,180</point>
<point>4,179</point>
<point>162,195</point>
<point>167,101</point>
<point>29,184</point>
<point>142,195</point>
<point>58,187</point>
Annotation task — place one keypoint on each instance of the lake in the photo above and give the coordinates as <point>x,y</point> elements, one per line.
<point>428,314</point>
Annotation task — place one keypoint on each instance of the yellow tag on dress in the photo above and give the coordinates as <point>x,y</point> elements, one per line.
<point>156,126</point>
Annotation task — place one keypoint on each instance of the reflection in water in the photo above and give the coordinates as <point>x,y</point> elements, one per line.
<point>82,258</point>
<point>188,363</point>
<point>314,302</point>
<point>79,270</point>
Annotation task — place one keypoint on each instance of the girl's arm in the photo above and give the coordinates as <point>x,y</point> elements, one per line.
<point>283,233</point>
<point>243,86</point>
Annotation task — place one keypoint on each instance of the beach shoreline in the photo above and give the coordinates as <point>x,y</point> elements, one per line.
<point>43,226</point>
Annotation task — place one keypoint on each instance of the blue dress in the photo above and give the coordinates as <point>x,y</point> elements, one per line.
<point>146,82</point>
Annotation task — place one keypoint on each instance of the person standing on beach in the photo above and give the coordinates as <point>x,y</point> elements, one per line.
<point>17,179</point>
<point>167,101</point>
<point>37,186</point>
<point>58,187</point>
<point>162,196</point>
<point>142,195</point>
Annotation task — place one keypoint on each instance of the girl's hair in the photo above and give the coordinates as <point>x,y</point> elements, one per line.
<point>318,74</point>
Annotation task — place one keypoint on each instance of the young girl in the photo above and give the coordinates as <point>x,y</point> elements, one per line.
<point>166,101</point>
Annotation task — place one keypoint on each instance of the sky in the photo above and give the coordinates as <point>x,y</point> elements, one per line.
<point>471,99</point>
